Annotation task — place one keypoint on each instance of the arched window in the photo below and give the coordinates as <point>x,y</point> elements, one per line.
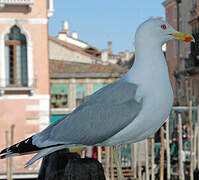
<point>16,58</point>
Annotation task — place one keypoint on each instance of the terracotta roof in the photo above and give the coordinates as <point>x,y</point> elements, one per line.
<point>71,47</point>
<point>63,69</point>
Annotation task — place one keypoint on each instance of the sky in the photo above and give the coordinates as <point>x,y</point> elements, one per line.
<point>100,21</point>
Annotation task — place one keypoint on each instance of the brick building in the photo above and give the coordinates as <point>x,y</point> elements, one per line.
<point>182,15</point>
<point>171,54</point>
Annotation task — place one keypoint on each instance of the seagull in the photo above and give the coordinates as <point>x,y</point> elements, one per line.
<point>125,111</point>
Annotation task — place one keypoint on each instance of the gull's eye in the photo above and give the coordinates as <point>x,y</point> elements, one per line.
<point>163,26</point>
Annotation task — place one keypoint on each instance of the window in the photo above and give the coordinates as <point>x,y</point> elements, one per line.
<point>167,15</point>
<point>175,13</point>
<point>16,58</point>
<point>194,4</point>
<point>97,86</point>
<point>59,95</point>
<point>80,93</point>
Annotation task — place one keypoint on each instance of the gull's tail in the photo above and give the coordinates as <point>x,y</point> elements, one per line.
<point>27,147</point>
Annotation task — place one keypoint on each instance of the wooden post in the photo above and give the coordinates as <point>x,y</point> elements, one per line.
<point>162,154</point>
<point>168,151</point>
<point>107,162</point>
<point>8,159</point>
<point>195,144</point>
<point>180,147</point>
<point>11,143</point>
<point>147,159</point>
<point>152,159</point>
<point>191,140</point>
<point>198,138</point>
<point>99,154</point>
<point>195,132</point>
<point>117,158</point>
<point>112,164</point>
<point>139,162</point>
<point>133,160</point>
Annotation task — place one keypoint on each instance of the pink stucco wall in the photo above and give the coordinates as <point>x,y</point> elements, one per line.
<point>15,110</point>
<point>39,37</point>
<point>39,10</point>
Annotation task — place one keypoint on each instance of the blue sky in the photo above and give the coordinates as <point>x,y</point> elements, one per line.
<point>98,22</point>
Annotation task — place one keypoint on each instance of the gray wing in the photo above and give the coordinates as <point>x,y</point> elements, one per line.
<point>101,116</point>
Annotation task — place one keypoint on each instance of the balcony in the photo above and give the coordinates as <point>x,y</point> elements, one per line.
<point>192,62</point>
<point>194,7</point>
<point>28,3</point>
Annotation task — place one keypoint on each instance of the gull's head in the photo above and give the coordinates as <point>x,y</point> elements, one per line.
<point>159,31</point>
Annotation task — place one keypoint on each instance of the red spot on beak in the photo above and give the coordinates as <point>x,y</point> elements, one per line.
<point>188,39</point>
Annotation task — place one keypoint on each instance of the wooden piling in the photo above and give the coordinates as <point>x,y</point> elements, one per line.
<point>8,159</point>
<point>139,162</point>
<point>195,145</point>
<point>9,163</point>
<point>191,140</point>
<point>11,143</point>
<point>107,162</point>
<point>181,169</point>
<point>152,159</point>
<point>162,154</point>
<point>198,137</point>
<point>133,160</point>
<point>168,151</point>
<point>112,164</point>
<point>99,154</point>
<point>147,159</point>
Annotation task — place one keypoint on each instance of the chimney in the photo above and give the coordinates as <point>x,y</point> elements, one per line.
<point>66,27</point>
<point>104,57</point>
<point>110,50</point>
<point>74,35</point>
<point>127,54</point>
<point>65,31</point>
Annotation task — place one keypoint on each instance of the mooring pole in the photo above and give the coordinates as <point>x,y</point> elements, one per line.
<point>191,140</point>
<point>152,159</point>
<point>11,143</point>
<point>162,154</point>
<point>147,159</point>
<point>180,147</point>
<point>168,151</point>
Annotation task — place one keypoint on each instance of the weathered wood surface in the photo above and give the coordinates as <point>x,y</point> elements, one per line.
<point>181,169</point>
<point>162,154</point>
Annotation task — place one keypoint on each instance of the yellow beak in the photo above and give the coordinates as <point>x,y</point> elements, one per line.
<point>183,36</point>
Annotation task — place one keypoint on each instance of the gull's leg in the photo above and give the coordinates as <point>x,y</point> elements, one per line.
<point>118,163</point>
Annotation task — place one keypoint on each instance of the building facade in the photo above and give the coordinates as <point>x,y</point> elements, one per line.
<point>24,75</point>
<point>171,53</point>
<point>182,14</point>
<point>75,74</point>
<point>192,66</point>
<point>106,55</point>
